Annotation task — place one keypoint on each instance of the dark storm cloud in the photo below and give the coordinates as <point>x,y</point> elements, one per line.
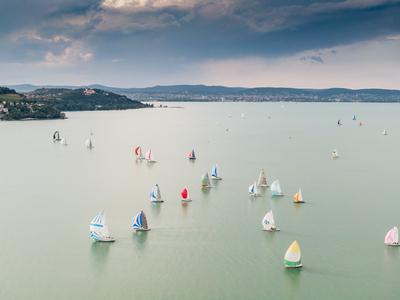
<point>192,29</point>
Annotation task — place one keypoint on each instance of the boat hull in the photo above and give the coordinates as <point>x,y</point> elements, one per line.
<point>294,266</point>
<point>105,240</point>
<point>272,230</point>
<point>138,230</point>
<point>158,201</point>
<point>263,185</point>
<point>216,178</point>
<point>186,200</point>
<point>393,245</point>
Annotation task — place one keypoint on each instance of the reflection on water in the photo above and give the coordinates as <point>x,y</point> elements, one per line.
<point>99,253</point>
<point>391,252</point>
<point>205,191</point>
<point>155,209</point>
<point>139,239</point>
<point>293,277</point>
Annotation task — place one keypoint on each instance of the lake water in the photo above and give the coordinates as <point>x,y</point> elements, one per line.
<point>214,247</point>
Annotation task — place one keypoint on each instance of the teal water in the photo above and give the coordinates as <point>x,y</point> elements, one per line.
<point>214,247</point>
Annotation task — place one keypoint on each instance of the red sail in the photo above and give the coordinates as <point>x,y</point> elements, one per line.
<point>137,150</point>
<point>184,193</point>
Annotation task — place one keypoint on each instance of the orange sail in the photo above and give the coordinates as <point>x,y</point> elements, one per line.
<point>298,197</point>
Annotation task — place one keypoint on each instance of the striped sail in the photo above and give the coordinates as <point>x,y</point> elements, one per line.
<point>262,179</point>
<point>276,188</point>
<point>293,256</point>
<point>205,181</point>
<point>392,236</point>
<point>140,221</point>
<point>98,228</point>
<point>268,222</point>
<point>155,194</point>
<point>298,197</point>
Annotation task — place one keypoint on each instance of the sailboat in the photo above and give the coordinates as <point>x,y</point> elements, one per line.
<point>155,194</point>
<point>335,154</point>
<point>99,230</point>
<point>385,132</point>
<point>138,153</point>
<point>354,117</point>
<point>293,256</point>
<point>339,122</point>
<point>298,197</point>
<point>140,222</point>
<point>276,189</point>
<point>185,195</point>
<point>149,157</point>
<point>64,142</point>
<point>89,143</point>
<point>268,222</point>
<point>262,179</point>
<point>192,155</point>
<point>205,181</point>
<point>214,173</point>
<point>56,136</point>
<point>392,237</point>
<point>253,190</point>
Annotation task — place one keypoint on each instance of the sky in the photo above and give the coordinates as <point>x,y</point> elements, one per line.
<point>247,43</point>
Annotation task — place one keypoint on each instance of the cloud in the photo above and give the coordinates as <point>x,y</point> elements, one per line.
<point>312,59</point>
<point>140,5</point>
<point>73,54</point>
<point>33,35</point>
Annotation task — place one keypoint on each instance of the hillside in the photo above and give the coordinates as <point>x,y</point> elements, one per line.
<point>7,94</point>
<point>260,94</point>
<point>82,99</point>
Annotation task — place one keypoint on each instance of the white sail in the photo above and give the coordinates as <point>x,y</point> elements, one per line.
<point>262,179</point>
<point>205,181</point>
<point>89,143</point>
<point>64,141</point>
<point>335,154</point>
<point>276,189</point>
<point>384,132</point>
<point>99,230</point>
<point>253,191</point>
<point>155,194</point>
<point>268,222</point>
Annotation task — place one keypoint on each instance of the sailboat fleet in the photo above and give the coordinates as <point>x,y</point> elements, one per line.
<point>99,231</point>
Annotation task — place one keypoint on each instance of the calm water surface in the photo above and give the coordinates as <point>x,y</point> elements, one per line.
<point>214,247</point>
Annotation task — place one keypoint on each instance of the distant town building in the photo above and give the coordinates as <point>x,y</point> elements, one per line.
<point>88,92</point>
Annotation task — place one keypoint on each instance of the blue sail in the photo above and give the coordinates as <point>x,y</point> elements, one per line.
<point>137,222</point>
<point>214,172</point>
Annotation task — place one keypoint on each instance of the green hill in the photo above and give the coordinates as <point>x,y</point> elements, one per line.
<point>83,99</point>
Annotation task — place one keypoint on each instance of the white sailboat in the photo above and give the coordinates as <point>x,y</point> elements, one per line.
<point>385,132</point>
<point>276,189</point>
<point>392,237</point>
<point>64,141</point>
<point>262,179</point>
<point>335,154</point>
<point>205,181</point>
<point>214,173</point>
<point>140,222</point>
<point>99,230</point>
<point>155,194</point>
<point>253,191</point>
<point>149,157</point>
<point>89,143</point>
<point>268,222</point>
